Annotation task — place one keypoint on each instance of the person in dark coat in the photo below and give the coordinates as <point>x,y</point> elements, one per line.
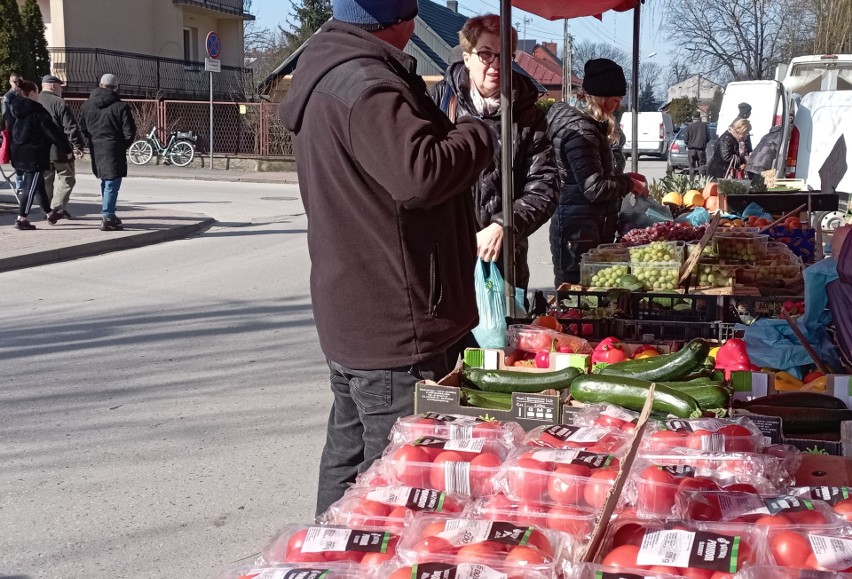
<point>61,177</point>
<point>32,132</point>
<point>745,113</point>
<point>696,136</point>
<point>471,88</point>
<point>107,123</point>
<point>385,180</point>
<point>729,154</point>
<point>592,190</point>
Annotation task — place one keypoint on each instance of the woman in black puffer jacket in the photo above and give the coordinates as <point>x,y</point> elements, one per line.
<point>32,132</point>
<point>472,88</point>
<point>592,187</point>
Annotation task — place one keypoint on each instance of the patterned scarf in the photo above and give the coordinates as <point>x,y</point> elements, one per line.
<point>485,106</point>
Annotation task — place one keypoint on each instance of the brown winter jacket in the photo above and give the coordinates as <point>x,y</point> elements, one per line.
<point>385,181</point>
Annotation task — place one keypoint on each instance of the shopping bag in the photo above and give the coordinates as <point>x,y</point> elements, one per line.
<point>489,284</point>
<point>5,154</point>
<point>640,212</point>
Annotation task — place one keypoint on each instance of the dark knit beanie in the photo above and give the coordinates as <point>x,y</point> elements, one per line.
<point>745,109</point>
<point>374,15</point>
<point>604,78</point>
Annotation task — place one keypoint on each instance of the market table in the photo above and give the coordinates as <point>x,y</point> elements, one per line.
<point>784,202</point>
<point>824,470</point>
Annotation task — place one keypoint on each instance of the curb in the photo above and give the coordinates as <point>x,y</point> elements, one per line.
<point>224,179</point>
<point>104,246</point>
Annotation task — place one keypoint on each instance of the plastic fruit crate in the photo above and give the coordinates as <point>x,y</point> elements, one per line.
<point>778,266</point>
<point>741,248</point>
<point>657,275</point>
<point>674,307</point>
<point>746,309</point>
<point>605,274</point>
<point>711,275</point>
<point>658,330</point>
<point>657,251</point>
<point>606,256</point>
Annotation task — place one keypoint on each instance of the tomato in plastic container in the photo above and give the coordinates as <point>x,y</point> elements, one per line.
<point>808,550</point>
<point>390,507</point>
<point>706,434</point>
<point>453,426</point>
<point>322,544</point>
<point>772,572</point>
<point>462,466</point>
<point>575,521</point>
<point>565,477</point>
<point>534,339</point>
<point>458,570</point>
<point>598,439</point>
<point>324,570</point>
<point>839,498</point>
<point>607,416</point>
<point>596,571</point>
<point>493,543</point>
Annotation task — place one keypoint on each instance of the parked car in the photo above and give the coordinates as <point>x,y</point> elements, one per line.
<point>656,132</point>
<point>678,158</point>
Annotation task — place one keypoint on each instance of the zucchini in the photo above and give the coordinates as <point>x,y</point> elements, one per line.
<point>632,393</point>
<point>797,400</point>
<point>805,420</point>
<point>490,400</point>
<point>666,367</point>
<point>507,381</point>
<point>708,396</point>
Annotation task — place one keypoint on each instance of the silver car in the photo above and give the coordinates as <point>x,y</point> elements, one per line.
<point>678,158</point>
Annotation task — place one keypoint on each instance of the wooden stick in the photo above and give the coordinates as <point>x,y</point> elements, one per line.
<point>693,257</point>
<point>807,345</point>
<point>784,217</point>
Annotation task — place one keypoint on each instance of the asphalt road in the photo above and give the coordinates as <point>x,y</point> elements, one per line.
<point>162,409</point>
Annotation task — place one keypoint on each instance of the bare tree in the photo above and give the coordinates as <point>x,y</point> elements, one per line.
<point>678,72</point>
<point>585,51</point>
<point>738,39</point>
<point>832,30</point>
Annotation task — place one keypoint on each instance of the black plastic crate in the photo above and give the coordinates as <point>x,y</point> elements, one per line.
<point>747,309</point>
<point>674,307</point>
<point>566,302</point>
<point>646,330</point>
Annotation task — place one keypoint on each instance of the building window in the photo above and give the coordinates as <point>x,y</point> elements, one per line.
<point>190,43</point>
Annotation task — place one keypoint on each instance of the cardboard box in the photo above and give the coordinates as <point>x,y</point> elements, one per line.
<point>495,359</point>
<point>528,410</point>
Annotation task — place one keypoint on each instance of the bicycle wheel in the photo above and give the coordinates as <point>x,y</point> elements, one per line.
<point>182,153</point>
<point>140,152</point>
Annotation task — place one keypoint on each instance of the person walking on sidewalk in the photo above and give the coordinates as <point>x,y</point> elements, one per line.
<point>385,179</point>
<point>59,180</point>
<point>697,136</point>
<point>32,132</point>
<point>107,124</point>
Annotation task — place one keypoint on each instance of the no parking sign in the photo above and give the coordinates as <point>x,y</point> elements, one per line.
<point>214,47</point>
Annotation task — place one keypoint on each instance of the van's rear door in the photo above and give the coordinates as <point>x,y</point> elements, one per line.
<point>768,106</point>
<point>821,118</point>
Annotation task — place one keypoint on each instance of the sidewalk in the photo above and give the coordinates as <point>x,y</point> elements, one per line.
<point>81,236</point>
<point>152,171</point>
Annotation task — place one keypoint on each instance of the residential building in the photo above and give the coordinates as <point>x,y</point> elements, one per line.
<point>156,48</point>
<point>542,64</point>
<point>696,86</point>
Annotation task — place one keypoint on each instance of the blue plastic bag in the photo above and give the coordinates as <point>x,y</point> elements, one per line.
<point>489,284</point>
<point>696,217</point>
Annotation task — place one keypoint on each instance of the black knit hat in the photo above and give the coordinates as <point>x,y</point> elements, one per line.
<point>604,78</point>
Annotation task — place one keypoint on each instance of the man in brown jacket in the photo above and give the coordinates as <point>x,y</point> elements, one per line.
<point>385,180</point>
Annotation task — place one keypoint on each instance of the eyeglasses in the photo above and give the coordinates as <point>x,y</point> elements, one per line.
<point>486,56</point>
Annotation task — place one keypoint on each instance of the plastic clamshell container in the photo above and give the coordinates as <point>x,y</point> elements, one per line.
<point>715,275</point>
<point>495,543</point>
<point>595,571</point>
<point>773,572</point>
<point>705,434</point>
<point>787,511</point>
<point>777,266</point>
<point>810,550</point>
<point>294,570</point>
<point>535,339</point>
<point>737,231</point>
<point>601,415</point>
<point>324,544</point>
<point>453,567</point>
<point>454,426</point>
<point>467,467</point>
<point>601,439</point>
<point>568,478</point>
<point>708,546</point>
<point>577,522</point>
<point>390,507</point>
<point>602,274</point>
<point>769,465</point>
<point>606,255</point>
<point>657,251</point>
<point>657,275</point>
<point>749,249</point>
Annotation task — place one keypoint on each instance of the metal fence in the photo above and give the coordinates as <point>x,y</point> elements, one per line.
<point>247,129</point>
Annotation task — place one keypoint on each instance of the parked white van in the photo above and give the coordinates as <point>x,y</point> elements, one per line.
<point>656,132</point>
<point>768,106</point>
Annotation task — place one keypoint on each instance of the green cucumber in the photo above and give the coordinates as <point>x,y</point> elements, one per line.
<point>707,395</point>
<point>507,381</point>
<point>632,393</point>
<point>490,400</point>
<point>797,400</point>
<point>665,367</point>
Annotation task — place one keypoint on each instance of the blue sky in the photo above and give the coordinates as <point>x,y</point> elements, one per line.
<point>616,27</point>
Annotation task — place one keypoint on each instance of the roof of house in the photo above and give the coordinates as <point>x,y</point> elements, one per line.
<point>445,22</point>
<point>527,45</point>
<point>538,70</point>
<point>549,53</point>
<point>433,56</point>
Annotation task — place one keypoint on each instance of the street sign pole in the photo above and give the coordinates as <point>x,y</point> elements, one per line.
<point>212,65</point>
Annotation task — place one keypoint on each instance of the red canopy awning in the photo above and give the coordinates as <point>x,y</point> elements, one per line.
<point>559,9</point>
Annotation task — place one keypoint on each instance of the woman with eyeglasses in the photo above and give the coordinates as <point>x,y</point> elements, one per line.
<point>472,88</point>
<point>593,187</point>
